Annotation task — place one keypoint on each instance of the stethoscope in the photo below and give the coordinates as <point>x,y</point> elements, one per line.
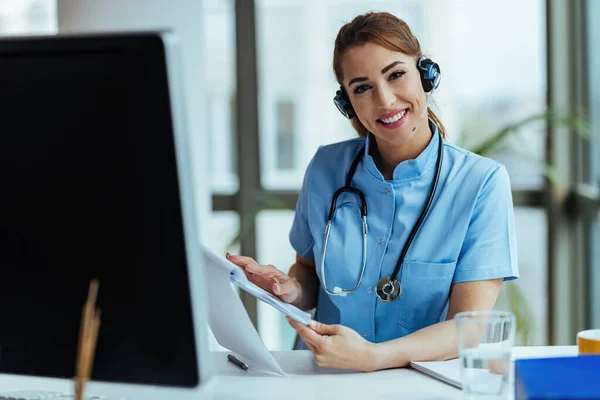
<point>388,288</point>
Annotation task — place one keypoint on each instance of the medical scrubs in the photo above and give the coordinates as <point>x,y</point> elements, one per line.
<point>468,234</point>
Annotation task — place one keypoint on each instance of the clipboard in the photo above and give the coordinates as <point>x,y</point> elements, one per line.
<point>228,318</point>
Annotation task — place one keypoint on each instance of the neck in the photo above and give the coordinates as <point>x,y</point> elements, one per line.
<point>387,156</point>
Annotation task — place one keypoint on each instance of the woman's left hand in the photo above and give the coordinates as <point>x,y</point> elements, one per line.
<point>336,346</point>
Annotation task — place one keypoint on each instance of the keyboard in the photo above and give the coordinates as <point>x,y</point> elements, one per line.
<point>43,395</point>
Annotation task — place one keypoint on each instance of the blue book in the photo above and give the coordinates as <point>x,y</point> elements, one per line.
<point>564,378</point>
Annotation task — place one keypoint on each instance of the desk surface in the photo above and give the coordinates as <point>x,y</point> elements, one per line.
<point>305,381</point>
<point>308,381</point>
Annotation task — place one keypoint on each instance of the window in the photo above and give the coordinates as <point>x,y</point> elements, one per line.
<point>27,17</point>
<point>275,332</point>
<point>285,136</point>
<point>220,126</point>
<point>527,297</point>
<point>593,54</point>
<point>219,67</point>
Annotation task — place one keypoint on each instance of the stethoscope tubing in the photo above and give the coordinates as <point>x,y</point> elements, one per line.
<point>343,292</point>
<point>419,222</point>
<point>348,188</point>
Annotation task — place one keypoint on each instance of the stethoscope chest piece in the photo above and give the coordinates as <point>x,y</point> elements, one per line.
<point>387,290</point>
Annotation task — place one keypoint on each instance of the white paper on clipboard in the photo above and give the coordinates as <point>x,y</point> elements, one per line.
<point>239,279</point>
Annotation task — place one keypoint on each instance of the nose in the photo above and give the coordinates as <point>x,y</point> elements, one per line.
<point>385,97</point>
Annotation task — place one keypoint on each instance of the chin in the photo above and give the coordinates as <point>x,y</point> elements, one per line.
<point>399,136</point>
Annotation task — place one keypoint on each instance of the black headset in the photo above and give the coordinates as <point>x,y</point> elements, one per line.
<point>430,79</point>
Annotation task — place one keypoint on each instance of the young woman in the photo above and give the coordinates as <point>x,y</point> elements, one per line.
<point>398,230</point>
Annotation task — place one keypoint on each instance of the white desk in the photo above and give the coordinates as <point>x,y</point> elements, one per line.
<point>305,381</point>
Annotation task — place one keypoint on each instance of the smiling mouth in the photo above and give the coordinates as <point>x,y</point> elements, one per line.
<point>394,118</point>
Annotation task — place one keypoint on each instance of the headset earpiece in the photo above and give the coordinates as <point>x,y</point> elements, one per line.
<point>430,73</point>
<point>430,79</point>
<point>342,102</point>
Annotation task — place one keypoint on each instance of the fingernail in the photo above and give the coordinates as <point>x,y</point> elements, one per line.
<point>312,323</point>
<point>227,255</point>
<point>277,288</point>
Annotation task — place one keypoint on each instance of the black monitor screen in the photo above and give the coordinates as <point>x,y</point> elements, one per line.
<point>89,189</point>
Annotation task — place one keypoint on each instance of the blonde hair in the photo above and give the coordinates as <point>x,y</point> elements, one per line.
<point>386,30</point>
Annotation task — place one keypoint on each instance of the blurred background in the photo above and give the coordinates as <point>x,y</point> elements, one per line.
<point>520,85</point>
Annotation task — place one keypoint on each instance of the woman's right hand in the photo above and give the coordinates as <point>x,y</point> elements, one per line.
<point>268,278</point>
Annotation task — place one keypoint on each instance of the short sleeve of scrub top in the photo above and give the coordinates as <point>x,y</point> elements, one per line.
<point>489,247</point>
<point>301,238</point>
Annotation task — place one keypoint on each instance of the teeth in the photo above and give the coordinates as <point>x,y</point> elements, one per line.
<point>394,118</point>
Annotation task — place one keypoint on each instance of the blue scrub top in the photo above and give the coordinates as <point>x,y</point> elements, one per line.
<point>468,234</point>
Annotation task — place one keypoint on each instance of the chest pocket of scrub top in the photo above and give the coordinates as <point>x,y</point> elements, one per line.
<point>343,259</point>
<point>425,290</point>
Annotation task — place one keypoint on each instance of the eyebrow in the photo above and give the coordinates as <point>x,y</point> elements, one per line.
<point>383,71</point>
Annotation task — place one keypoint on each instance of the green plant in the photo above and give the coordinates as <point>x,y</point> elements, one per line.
<point>498,140</point>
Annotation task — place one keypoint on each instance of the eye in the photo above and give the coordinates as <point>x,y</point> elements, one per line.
<point>396,75</point>
<point>360,89</point>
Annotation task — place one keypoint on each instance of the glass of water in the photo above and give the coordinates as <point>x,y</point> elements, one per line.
<point>485,340</point>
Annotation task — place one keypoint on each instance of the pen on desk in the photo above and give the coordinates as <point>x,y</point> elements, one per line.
<point>237,362</point>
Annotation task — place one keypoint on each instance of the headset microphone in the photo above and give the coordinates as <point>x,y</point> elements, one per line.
<point>429,96</point>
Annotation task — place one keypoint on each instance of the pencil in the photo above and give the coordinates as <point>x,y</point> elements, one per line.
<point>88,335</point>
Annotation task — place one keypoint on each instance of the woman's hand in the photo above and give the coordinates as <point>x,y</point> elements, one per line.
<point>336,346</point>
<point>269,278</point>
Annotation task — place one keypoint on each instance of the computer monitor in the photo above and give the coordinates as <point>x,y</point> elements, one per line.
<point>95,182</point>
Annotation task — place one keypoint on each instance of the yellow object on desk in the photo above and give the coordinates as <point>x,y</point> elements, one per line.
<point>588,342</point>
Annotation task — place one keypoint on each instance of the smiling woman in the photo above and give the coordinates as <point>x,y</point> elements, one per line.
<point>406,229</point>
<point>363,51</point>
<point>387,100</point>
